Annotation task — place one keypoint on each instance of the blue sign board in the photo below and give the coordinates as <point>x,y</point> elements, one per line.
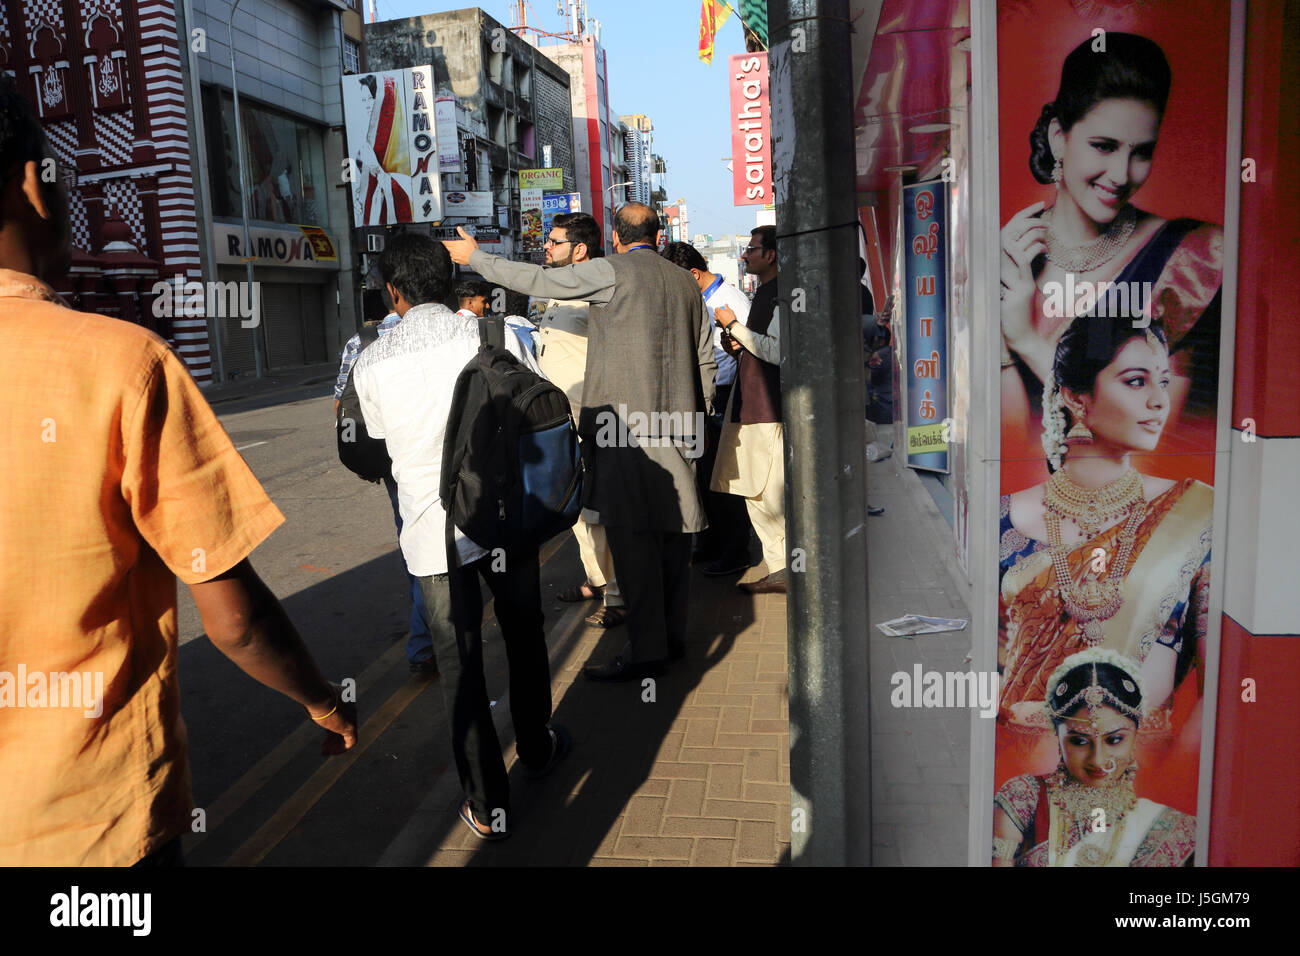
<point>925,281</point>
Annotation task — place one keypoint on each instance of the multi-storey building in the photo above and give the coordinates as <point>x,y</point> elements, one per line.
<point>512,105</point>
<point>583,60</point>
<point>638,143</point>
<point>290,56</point>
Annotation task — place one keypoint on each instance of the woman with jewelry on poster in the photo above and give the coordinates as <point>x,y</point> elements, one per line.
<point>1086,812</point>
<point>1100,555</point>
<point>1096,142</point>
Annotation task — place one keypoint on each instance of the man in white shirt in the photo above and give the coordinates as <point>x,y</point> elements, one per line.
<point>404,383</point>
<point>473,295</point>
<point>722,548</point>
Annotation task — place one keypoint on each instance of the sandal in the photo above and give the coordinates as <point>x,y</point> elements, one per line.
<point>586,591</point>
<point>608,617</point>
<point>467,815</point>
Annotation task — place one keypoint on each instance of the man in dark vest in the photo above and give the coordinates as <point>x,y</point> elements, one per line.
<point>750,460</point>
<point>646,393</point>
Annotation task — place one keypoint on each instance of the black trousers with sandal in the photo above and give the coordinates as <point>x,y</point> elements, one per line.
<point>454,611</point>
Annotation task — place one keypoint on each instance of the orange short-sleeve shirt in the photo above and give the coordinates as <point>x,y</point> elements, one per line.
<point>117,479</point>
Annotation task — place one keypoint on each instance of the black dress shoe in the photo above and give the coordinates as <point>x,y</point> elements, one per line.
<point>676,652</point>
<point>724,566</point>
<point>621,669</point>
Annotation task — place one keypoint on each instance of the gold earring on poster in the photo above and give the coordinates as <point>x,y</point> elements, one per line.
<point>1079,434</point>
<point>1058,172</point>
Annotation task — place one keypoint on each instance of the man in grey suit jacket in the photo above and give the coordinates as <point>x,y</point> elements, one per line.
<point>648,388</point>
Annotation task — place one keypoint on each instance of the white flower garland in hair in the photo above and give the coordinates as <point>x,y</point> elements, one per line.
<point>1053,425</point>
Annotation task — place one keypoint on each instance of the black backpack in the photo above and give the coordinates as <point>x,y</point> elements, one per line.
<point>362,455</point>
<point>511,465</point>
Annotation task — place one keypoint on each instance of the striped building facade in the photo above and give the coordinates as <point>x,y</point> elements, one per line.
<point>104,78</point>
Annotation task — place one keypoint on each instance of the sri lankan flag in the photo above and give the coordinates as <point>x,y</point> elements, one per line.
<point>713,14</point>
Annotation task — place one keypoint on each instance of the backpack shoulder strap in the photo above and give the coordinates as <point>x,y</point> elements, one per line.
<point>492,331</point>
<point>368,334</point>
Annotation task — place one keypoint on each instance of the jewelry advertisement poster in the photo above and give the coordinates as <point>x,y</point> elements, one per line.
<point>1112,132</point>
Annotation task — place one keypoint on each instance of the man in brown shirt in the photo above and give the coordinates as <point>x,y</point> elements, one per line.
<point>117,479</point>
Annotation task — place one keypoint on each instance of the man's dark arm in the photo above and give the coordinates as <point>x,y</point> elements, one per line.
<point>248,624</point>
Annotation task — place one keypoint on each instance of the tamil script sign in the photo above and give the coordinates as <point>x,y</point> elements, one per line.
<point>926,295</point>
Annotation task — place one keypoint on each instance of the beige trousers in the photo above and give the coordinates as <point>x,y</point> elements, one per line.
<point>598,560</point>
<point>767,514</point>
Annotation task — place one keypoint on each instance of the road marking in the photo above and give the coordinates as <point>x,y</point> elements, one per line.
<point>252,445</point>
<point>269,835</point>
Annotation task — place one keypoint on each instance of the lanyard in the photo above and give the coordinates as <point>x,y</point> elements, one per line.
<point>640,245</point>
<point>717,281</point>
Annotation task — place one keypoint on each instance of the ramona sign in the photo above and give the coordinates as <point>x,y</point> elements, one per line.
<point>271,247</point>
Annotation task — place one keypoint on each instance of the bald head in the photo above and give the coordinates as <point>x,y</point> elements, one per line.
<point>636,222</point>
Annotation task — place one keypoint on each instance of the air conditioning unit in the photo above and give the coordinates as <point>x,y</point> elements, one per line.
<point>374,242</point>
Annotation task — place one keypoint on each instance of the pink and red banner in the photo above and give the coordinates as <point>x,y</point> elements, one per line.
<point>751,129</point>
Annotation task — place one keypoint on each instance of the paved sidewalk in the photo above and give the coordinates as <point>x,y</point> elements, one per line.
<point>690,770</point>
<point>274,382</point>
<point>920,762</point>
<point>699,775</point>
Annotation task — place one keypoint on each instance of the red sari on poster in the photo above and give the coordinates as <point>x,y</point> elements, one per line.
<point>386,200</point>
<point>751,130</point>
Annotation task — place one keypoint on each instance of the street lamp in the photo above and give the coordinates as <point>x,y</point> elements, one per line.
<point>610,189</point>
<point>258,362</point>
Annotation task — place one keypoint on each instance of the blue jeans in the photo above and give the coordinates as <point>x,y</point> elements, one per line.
<point>419,645</point>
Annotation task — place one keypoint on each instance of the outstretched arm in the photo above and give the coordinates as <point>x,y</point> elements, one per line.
<point>592,280</point>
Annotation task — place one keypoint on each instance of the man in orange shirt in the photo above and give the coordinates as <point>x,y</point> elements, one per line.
<point>117,479</point>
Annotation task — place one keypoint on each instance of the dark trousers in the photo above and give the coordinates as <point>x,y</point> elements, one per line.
<point>417,642</point>
<point>727,535</point>
<point>653,569</point>
<point>454,607</point>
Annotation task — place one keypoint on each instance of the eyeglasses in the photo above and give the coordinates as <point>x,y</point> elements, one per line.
<point>557,242</point>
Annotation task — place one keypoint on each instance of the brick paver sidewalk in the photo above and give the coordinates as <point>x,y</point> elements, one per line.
<point>695,770</point>
<point>692,770</point>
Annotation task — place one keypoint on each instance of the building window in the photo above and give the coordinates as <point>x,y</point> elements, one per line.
<point>351,55</point>
<point>284,156</point>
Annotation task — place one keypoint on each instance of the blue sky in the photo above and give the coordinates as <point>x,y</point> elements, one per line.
<point>654,67</point>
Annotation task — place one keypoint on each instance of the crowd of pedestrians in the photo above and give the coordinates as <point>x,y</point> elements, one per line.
<point>127,482</point>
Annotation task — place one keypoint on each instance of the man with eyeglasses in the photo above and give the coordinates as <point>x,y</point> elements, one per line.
<point>562,355</point>
<point>751,460</point>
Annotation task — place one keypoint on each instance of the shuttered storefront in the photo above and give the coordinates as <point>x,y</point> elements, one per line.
<point>292,330</point>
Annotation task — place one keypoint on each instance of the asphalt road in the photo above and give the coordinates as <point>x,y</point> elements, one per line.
<point>264,792</point>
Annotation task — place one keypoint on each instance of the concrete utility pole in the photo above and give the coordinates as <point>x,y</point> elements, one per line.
<point>825,455</point>
<point>254,293</point>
